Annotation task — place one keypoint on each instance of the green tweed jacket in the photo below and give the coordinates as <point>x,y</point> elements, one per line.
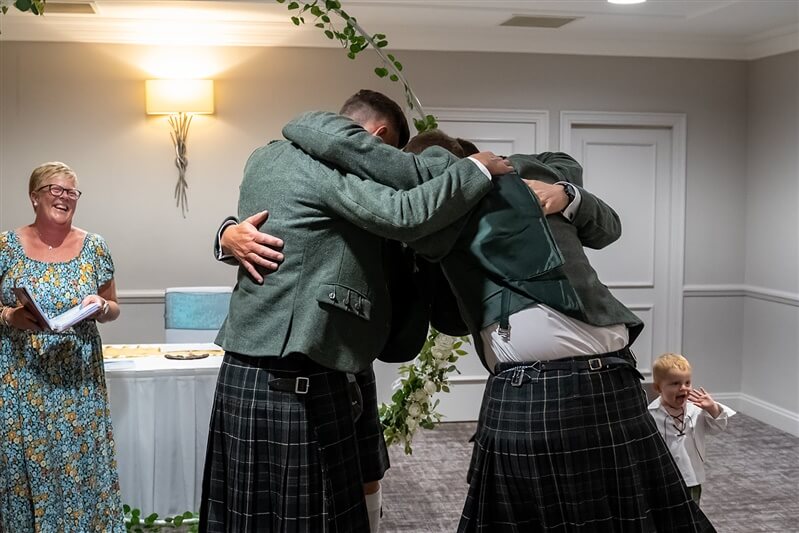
<point>507,247</point>
<point>329,298</point>
<point>505,261</point>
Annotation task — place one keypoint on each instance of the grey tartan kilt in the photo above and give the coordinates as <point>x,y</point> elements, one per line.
<point>282,462</point>
<point>573,452</point>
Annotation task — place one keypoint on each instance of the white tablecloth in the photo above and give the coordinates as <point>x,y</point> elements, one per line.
<point>160,409</point>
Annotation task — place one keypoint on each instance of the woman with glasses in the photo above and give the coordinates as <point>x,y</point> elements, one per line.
<point>57,465</point>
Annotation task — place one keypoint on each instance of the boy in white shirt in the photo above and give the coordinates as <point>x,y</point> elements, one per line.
<point>684,416</point>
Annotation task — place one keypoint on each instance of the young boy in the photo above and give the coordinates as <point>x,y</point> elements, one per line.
<point>684,416</point>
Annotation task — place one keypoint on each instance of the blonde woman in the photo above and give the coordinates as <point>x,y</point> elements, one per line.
<point>57,465</point>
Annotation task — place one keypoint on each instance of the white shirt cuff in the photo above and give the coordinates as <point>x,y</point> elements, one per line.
<point>220,256</point>
<point>570,211</point>
<point>481,166</point>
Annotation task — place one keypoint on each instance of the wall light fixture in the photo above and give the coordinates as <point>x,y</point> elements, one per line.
<point>180,99</point>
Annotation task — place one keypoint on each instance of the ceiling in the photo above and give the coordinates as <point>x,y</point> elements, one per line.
<point>720,29</point>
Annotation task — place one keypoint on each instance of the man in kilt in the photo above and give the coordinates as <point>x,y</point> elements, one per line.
<point>564,441</point>
<point>294,431</point>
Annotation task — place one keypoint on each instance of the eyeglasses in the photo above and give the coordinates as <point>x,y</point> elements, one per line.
<point>58,191</point>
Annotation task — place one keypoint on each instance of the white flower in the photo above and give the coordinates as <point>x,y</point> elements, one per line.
<point>420,396</point>
<point>439,352</point>
<point>430,369</point>
<point>429,387</point>
<point>445,342</point>
<point>441,363</point>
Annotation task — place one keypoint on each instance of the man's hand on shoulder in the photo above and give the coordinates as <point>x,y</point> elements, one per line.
<point>252,248</point>
<point>552,197</point>
<point>495,164</point>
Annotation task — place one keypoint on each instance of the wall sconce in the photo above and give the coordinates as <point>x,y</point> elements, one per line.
<point>180,99</point>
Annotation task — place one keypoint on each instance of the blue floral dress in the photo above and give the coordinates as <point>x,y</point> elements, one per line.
<point>57,466</point>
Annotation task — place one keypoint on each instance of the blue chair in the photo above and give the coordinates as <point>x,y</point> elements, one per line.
<point>195,314</point>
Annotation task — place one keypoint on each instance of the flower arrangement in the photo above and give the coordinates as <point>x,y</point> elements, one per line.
<point>411,404</point>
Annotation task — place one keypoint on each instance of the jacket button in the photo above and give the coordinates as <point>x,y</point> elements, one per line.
<point>332,295</point>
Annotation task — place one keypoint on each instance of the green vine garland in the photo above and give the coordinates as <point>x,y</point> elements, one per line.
<point>355,40</point>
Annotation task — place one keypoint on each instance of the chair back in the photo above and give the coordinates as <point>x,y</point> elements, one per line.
<point>195,314</point>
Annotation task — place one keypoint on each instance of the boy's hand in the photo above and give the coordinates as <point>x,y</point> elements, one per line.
<point>702,399</point>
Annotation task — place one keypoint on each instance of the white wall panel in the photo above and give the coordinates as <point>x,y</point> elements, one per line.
<point>635,163</point>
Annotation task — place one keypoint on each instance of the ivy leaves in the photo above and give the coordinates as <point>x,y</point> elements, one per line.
<point>355,40</point>
<point>349,37</point>
<point>134,523</point>
<point>382,72</point>
<point>426,124</point>
<point>34,6</point>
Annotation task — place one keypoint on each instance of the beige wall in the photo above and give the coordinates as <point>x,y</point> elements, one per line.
<point>84,104</point>
<point>770,361</point>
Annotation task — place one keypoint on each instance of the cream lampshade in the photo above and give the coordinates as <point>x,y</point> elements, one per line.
<point>180,99</point>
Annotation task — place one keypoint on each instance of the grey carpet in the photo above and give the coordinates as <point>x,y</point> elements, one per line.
<point>752,486</point>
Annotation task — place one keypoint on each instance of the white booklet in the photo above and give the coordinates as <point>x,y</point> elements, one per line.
<point>58,323</point>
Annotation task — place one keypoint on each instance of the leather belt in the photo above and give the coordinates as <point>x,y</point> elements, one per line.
<point>298,385</point>
<point>593,364</point>
<point>623,357</point>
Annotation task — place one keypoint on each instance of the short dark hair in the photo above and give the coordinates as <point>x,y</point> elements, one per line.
<point>469,147</point>
<point>373,102</point>
<point>426,139</point>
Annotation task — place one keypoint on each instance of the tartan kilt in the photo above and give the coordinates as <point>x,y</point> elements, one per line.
<point>279,461</point>
<point>573,451</point>
<point>372,449</point>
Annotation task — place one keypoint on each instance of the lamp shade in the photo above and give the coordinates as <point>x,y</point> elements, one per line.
<point>165,97</point>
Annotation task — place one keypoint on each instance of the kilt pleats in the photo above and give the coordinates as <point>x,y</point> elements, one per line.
<point>372,449</point>
<point>569,451</point>
<point>281,462</point>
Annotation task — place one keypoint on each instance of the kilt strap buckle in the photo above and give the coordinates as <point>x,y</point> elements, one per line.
<point>595,364</point>
<point>298,385</point>
<point>301,385</point>
<point>504,332</point>
<point>518,377</point>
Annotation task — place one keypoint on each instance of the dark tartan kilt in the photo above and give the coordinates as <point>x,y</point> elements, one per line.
<point>372,449</point>
<point>573,452</point>
<point>282,462</point>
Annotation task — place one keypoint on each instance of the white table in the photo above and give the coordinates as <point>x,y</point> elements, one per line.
<point>160,409</point>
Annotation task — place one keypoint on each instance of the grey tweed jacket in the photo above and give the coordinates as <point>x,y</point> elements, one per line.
<point>329,298</point>
<point>505,249</point>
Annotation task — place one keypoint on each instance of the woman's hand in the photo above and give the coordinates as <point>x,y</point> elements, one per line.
<point>21,318</point>
<point>99,300</point>
<point>107,300</point>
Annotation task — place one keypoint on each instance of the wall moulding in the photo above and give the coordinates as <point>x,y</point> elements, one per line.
<point>748,291</point>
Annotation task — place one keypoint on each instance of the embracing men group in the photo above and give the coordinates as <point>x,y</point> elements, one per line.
<point>564,442</point>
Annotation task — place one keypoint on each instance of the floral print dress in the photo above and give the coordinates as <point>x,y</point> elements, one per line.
<point>57,466</point>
